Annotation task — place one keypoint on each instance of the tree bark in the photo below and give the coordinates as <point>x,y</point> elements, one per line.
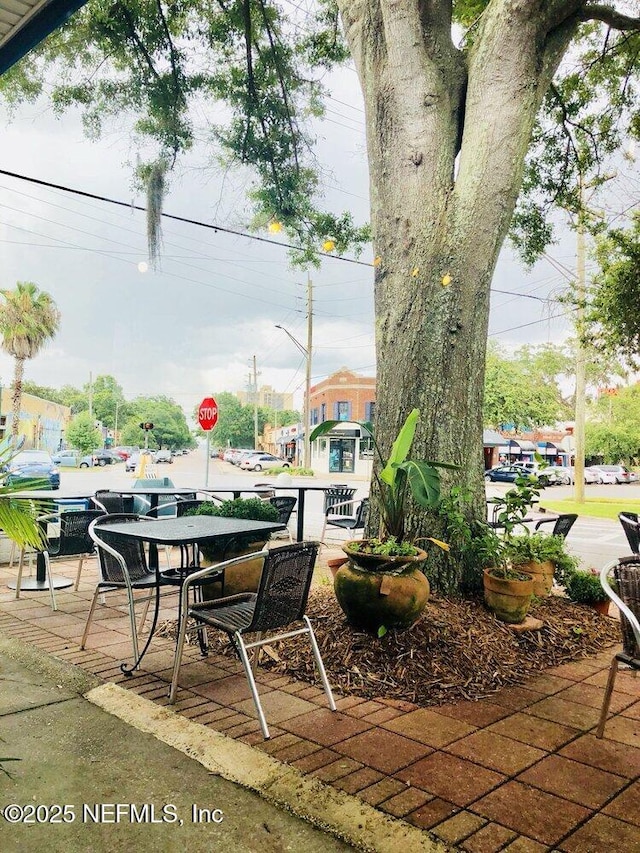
<point>447,138</point>
<point>18,373</point>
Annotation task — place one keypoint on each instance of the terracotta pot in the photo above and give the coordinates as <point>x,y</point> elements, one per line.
<point>542,574</point>
<point>334,564</point>
<point>371,599</point>
<point>508,599</point>
<point>602,607</point>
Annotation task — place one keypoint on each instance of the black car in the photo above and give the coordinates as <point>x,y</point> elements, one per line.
<point>510,473</point>
<point>30,466</point>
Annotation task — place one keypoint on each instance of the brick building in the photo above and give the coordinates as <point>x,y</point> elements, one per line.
<point>343,396</point>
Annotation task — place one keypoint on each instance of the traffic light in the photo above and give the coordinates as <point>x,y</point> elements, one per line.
<point>146,426</point>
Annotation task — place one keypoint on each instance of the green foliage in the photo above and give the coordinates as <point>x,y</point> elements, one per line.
<point>82,433</point>
<point>524,389</point>
<point>613,313</point>
<point>613,428</point>
<point>540,548</point>
<point>585,587</point>
<point>591,109</point>
<point>18,517</point>
<point>170,428</point>
<point>399,477</point>
<point>389,548</point>
<point>251,509</point>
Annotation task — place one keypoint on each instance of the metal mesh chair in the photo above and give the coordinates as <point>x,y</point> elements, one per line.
<point>562,524</point>
<point>339,497</point>
<point>122,565</point>
<point>346,522</point>
<point>113,502</point>
<point>280,601</point>
<point>72,540</point>
<point>285,506</point>
<point>626,596</point>
<point>631,527</point>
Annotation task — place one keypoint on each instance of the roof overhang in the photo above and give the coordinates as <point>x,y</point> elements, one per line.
<point>25,23</point>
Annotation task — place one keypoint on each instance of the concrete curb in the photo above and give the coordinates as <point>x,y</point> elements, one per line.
<point>341,814</point>
<point>66,675</point>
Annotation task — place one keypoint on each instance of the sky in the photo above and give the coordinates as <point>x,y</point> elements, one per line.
<point>192,326</point>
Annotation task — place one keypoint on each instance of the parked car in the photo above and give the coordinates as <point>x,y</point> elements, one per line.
<point>613,473</point>
<point>563,476</point>
<point>163,455</point>
<point>67,458</point>
<point>97,457</point>
<point>258,461</point>
<point>31,465</point>
<point>510,473</point>
<point>125,450</point>
<point>132,462</point>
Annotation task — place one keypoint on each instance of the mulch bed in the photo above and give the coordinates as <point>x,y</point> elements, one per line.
<point>456,650</point>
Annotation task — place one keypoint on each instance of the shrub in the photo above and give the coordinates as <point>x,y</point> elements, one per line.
<point>251,509</point>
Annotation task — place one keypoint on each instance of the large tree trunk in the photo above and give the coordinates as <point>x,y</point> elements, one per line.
<point>16,389</point>
<point>438,232</point>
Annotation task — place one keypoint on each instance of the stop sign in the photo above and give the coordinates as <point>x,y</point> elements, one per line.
<point>208,413</point>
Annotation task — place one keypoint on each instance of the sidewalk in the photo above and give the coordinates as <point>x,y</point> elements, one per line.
<point>117,782</point>
<point>521,771</point>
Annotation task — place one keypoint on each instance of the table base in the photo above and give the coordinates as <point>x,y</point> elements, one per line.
<point>34,585</point>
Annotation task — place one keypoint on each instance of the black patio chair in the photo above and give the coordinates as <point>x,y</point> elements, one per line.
<point>71,539</point>
<point>631,527</point>
<point>562,524</point>
<point>285,506</point>
<point>113,502</point>
<point>122,565</point>
<point>626,596</point>
<point>281,600</point>
<point>339,497</point>
<point>351,523</point>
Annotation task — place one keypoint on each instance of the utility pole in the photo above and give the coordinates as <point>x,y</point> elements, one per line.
<point>255,405</point>
<point>90,394</point>
<point>581,283</point>
<point>307,391</point>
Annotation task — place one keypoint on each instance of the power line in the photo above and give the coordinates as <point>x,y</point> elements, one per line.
<point>174,217</point>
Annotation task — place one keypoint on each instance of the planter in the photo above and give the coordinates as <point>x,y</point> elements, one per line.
<point>381,562</point>
<point>542,574</point>
<point>371,599</point>
<point>237,579</point>
<point>334,564</point>
<point>508,599</point>
<point>602,607</point>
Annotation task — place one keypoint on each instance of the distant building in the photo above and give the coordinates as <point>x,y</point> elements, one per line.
<point>343,396</point>
<point>348,397</point>
<point>267,398</point>
<point>42,422</point>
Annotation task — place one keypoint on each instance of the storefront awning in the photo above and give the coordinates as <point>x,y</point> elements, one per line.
<point>523,444</point>
<point>491,438</point>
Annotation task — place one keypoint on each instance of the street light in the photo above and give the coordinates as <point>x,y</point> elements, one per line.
<point>306,352</point>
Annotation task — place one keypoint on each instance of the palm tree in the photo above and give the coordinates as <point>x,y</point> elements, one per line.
<point>28,319</point>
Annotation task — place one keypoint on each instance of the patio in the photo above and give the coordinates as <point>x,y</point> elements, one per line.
<point>521,771</point>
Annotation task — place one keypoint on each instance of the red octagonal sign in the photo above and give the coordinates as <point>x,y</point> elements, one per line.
<point>208,414</point>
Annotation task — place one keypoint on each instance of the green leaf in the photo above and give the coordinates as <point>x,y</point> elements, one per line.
<point>424,482</point>
<point>323,429</point>
<point>381,632</point>
<point>401,447</point>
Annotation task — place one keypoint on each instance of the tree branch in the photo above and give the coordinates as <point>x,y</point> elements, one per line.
<point>608,15</point>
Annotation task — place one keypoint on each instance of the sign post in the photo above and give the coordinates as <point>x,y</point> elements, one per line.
<point>208,418</point>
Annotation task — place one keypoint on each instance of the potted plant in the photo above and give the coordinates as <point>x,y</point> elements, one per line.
<point>543,557</point>
<point>243,578</point>
<point>584,587</point>
<point>382,584</point>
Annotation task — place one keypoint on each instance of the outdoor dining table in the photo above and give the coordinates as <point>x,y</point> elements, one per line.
<point>236,491</point>
<point>189,530</point>
<point>40,582</point>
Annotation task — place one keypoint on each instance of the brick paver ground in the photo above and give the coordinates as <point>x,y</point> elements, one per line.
<point>520,771</point>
